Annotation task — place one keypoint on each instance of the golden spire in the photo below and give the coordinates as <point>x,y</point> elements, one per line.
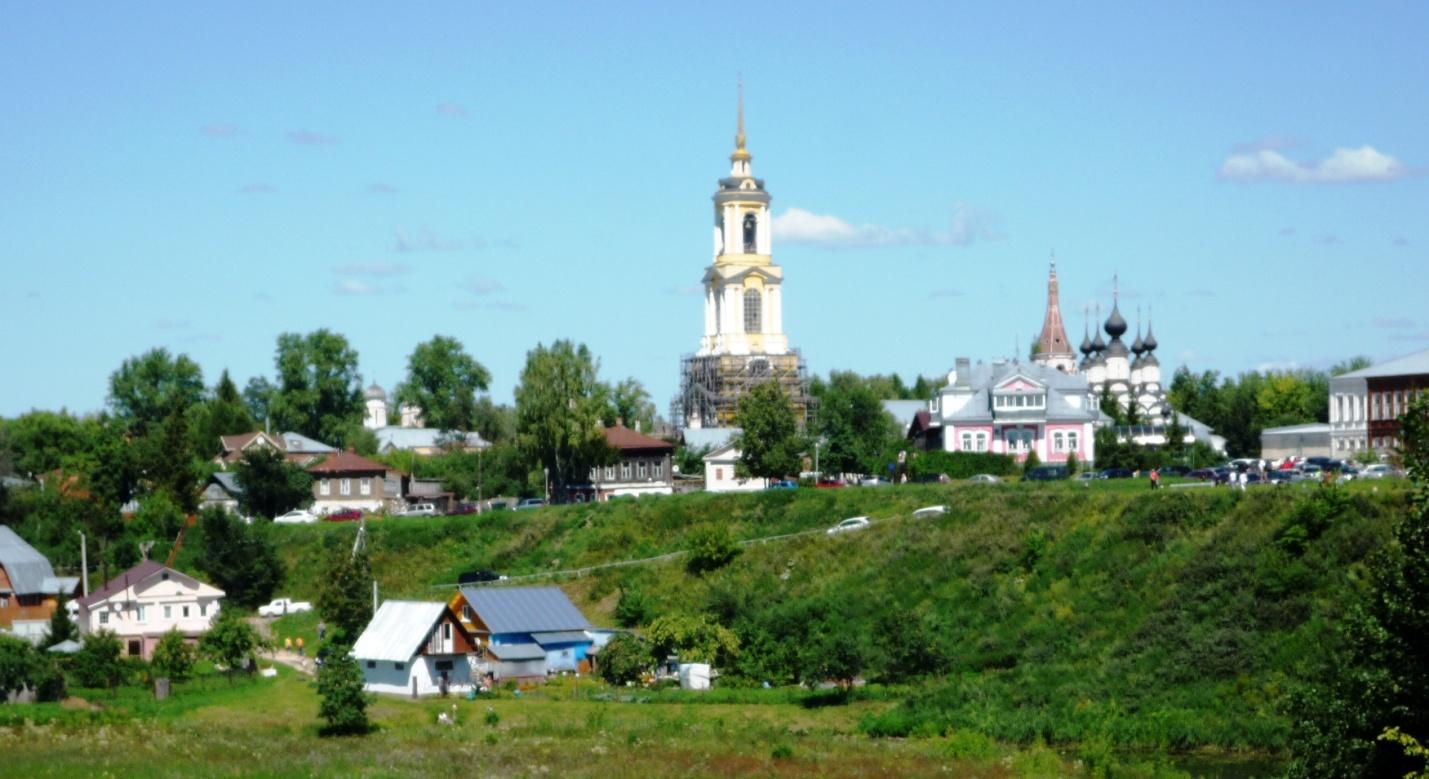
<point>740,154</point>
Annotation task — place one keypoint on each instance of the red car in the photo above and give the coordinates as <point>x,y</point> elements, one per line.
<point>829,484</point>
<point>345,515</point>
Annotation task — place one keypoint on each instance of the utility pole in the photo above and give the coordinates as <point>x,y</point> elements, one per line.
<point>83,564</point>
<point>374,596</point>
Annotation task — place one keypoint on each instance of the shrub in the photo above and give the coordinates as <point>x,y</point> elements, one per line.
<point>710,547</point>
<point>173,657</point>
<point>623,660</point>
<point>97,663</point>
<point>229,642</point>
<point>961,465</point>
<point>632,609</point>
<point>17,665</point>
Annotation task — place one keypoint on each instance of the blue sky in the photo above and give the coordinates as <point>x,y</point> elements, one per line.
<point>206,178</point>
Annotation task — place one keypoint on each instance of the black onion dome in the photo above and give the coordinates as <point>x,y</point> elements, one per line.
<point>1115,325</point>
<point>1116,348</point>
<point>1138,346</point>
<point>1150,342</point>
<point>1086,347</point>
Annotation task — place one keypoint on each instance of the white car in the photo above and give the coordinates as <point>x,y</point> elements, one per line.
<point>930,511</point>
<point>418,510</point>
<point>1376,471</point>
<point>849,525</point>
<point>282,606</point>
<point>296,517</point>
<point>985,478</point>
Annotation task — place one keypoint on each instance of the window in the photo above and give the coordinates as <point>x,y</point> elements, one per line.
<point>466,613</point>
<point>141,613</point>
<point>1072,442</point>
<point>967,442</point>
<point>719,474</point>
<point>366,486</point>
<point>625,470</point>
<point>750,244</point>
<point>752,311</point>
<point>135,649</point>
<point>399,666</point>
<point>345,487</point>
<point>641,469</point>
<point>1058,442</point>
<point>981,442</point>
<point>593,474</point>
<point>657,469</point>
<point>371,663</point>
<point>104,618</point>
<point>185,612</point>
<point>4,601</point>
<point>168,611</point>
<point>610,473</point>
<point>324,487</point>
<point>444,665</point>
<point>446,631</point>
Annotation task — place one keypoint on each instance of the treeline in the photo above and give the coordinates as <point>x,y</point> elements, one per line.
<point>1240,407</point>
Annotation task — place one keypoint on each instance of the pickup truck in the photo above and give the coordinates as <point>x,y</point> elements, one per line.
<point>282,606</point>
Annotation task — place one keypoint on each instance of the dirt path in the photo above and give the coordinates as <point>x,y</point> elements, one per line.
<point>298,662</point>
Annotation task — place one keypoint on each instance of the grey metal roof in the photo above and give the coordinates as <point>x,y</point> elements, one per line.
<point>66,647</point>
<point>524,609</point>
<point>1313,427</point>
<point>297,442</point>
<point>406,438</point>
<point>229,481</point>
<point>1408,365</point>
<point>561,637</point>
<point>711,437</point>
<point>26,568</point>
<point>517,651</point>
<point>397,630</point>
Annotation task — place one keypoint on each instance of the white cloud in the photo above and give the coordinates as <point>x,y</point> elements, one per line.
<point>424,240</point>
<point>356,287</point>
<point>372,269</point>
<point>1343,166</point>
<point>796,225</point>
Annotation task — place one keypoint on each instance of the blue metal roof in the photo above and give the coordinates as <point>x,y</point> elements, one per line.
<point>562,637</point>
<point>517,651</point>
<point>524,609</point>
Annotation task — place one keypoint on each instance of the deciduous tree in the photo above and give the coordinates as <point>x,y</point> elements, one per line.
<point>769,444</point>
<point>442,380</point>
<point>229,642</point>
<point>560,403</point>
<point>173,657</point>
<point>145,389</point>
<point>319,390</point>
<point>345,594</point>
<point>271,485</point>
<point>854,425</point>
<point>239,559</point>
<point>343,704</point>
<point>630,404</point>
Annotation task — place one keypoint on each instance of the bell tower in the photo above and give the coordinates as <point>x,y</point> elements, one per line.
<point>743,302</point>
<point>744,341</point>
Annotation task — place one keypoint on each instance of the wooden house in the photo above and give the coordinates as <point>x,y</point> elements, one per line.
<point>415,648</point>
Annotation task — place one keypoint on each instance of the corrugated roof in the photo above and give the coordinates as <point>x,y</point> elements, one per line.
<point>516,651</point>
<point>407,438</point>
<point>1408,365</point>
<point>297,442</point>
<point>561,637</point>
<point>347,462</point>
<point>397,630</point>
<point>622,437</point>
<point>1313,427</point>
<point>524,609</point>
<point>119,583</point>
<point>26,568</point>
<point>713,437</point>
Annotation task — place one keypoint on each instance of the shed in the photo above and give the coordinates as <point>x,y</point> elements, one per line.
<point>416,648</point>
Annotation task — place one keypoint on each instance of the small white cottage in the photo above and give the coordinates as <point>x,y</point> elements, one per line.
<point>414,648</point>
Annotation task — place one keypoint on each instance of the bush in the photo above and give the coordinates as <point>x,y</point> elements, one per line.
<point>961,465</point>
<point>98,663</point>
<point>17,665</point>
<point>173,657</point>
<point>623,660</point>
<point>632,609</point>
<point>710,547</point>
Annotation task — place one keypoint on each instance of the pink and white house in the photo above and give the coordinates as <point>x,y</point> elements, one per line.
<point>1016,408</point>
<point>145,602</point>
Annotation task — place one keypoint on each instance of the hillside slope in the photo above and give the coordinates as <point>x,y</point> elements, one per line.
<point>1174,618</point>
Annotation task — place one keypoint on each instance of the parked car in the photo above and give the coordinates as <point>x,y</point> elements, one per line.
<point>829,484</point>
<point>931,478</point>
<point>418,510</point>
<point>1278,477</point>
<point>849,525</point>
<point>930,511</point>
<point>784,484</point>
<point>483,575</point>
<point>1116,473</point>
<point>1175,470</point>
<point>873,481</point>
<point>1086,477</point>
<point>280,606</point>
<point>1203,474</point>
<point>1348,473</point>
<point>344,515</point>
<point>464,508</point>
<point>296,517</point>
<point>985,478</point>
<point>530,503</point>
<point>1376,471</point>
<point>1046,473</point>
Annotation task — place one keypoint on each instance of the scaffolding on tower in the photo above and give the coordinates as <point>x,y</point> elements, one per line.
<point>711,386</point>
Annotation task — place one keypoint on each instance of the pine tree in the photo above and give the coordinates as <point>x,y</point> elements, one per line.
<point>62,628</point>
<point>343,704</point>
<point>345,596</point>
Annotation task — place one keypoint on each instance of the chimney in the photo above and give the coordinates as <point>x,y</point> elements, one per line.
<point>963,369</point>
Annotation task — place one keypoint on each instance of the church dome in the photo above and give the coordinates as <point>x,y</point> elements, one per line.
<point>375,392</point>
<point>1150,342</point>
<point>1115,325</point>
<point>1138,346</point>
<point>1116,348</point>
<point>1086,347</point>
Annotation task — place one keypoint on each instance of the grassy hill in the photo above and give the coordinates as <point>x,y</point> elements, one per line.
<point>1103,615</point>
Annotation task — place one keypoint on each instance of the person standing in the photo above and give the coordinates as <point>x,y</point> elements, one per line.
<point>1155,478</point>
